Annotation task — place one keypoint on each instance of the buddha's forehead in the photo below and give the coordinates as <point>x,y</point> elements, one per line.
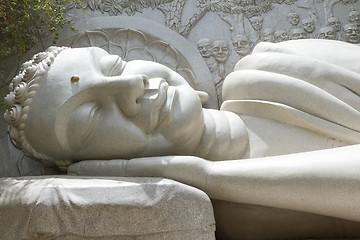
<point>80,62</point>
<point>87,50</point>
<point>77,57</point>
<point>57,87</point>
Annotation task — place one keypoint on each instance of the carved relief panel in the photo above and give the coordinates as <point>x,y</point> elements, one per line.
<point>225,31</point>
<point>132,44</point>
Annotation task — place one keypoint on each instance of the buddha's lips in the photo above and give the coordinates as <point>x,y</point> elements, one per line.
<point>160,97</point>
<point>167,105</point>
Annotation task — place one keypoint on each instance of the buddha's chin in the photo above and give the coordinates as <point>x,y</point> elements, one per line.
<point>180,131</point>
<point>225,136</point>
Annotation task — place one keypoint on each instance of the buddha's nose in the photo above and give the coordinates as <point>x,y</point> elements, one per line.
<point>152,87</point>
<point>126,90</point>
<point>129,99</point>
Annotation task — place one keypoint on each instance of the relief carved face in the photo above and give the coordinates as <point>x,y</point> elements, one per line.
<point>257,22</point>
<point>293,18</point>
<point>335,23</point>
<point>351,33</point>
<point>242,44</point>
<point>269,35</point>
<point>205,47</point>
<point>221,51</point>
<point>93,105</point>
<point>354,17</point>
<point>299,33</point>
<point>327,33</point>
<point>281,36</point>
<point>308,25</point>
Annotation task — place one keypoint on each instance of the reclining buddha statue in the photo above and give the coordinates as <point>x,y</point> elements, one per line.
<point>281,139</point>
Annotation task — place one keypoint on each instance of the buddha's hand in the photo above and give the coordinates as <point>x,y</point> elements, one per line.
<point>187,169</point>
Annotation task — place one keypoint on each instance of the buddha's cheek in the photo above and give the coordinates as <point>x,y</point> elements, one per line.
<point>186,122</point>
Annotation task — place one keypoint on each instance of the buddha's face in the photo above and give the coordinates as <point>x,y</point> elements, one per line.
<point>335,24</point>
<point>308,25</point>
<point>299,33</point>
<point>241,45</point>
<point>205,47</point>
<point>93,105</point>
<point>293,18</point>
<point>221,51</point>
<point>327,33</point>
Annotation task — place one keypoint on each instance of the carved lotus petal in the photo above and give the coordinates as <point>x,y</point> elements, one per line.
<point>92,39</point>
<point>29,72</point>
<point>129,39</point>
<point>20,91</point>
<point>10,100</point>
<point>15,114</point>
<point>40,57</point>
<point>165,53</point>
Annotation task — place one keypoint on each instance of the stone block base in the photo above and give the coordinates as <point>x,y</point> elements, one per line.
<point>74,208</point>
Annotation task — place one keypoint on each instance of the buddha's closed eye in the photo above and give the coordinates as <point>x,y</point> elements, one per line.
<point>112,65</point>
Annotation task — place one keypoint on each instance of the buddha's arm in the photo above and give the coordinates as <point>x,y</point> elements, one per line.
<point>187,169</point>
<point>323,182</point>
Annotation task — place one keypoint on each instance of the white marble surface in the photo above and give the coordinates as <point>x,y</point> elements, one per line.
<point>65,207</point>
<point>89,103</point>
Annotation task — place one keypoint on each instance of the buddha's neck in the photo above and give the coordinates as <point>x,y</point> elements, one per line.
<point>224,137</point>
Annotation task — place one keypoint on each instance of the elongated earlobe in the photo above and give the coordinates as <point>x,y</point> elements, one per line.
<point>204,97</point>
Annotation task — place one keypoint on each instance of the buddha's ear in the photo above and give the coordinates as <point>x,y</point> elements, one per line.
<point>204,97</point>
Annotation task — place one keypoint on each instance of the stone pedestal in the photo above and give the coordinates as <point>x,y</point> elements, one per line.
<point>63,207</point>
<point>235,221</point>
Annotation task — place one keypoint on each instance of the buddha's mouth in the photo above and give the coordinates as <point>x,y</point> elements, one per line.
<point>167,107</point>
<point>158,102</point>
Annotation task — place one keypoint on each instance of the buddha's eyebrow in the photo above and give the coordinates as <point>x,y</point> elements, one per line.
<point>118,67</point>
<point>111,65</point>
